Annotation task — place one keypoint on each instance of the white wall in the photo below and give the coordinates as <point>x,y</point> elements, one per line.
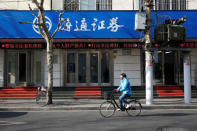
<point>192,5</point>
<point>57,69</point>
<point>58,4</point>
<point>21,5</point>
<point>128,64</point>
<point>194,67</point>
<point>125,5</point>
<point>1,67</point>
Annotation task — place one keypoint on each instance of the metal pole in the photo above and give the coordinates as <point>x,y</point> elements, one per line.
<point>187,80</point>
<point>148,55</point>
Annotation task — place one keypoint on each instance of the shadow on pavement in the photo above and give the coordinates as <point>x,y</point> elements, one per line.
<point>167,114</point>
<point>11,114</point>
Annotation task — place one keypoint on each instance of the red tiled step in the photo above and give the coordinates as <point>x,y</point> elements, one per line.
<point>22,88</point>
<point>90,91</point>
<point>169,91</point>
<point>17,96</point>
<point>18,92</point>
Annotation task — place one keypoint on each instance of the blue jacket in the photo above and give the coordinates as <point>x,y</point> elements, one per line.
<point>125,87</point>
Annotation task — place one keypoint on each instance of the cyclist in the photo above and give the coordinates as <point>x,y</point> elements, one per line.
<point>125,89</point>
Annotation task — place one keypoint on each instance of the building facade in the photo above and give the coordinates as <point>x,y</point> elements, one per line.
<point>89,59</point>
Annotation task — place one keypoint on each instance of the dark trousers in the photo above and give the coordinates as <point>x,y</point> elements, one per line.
<point>123,98</point>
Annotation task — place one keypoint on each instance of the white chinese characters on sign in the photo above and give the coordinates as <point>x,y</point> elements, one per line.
<point>113,25</point>
<point>96,25</point>
<point>66,25</point>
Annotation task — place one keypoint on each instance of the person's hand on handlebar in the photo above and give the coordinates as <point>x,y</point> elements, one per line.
<point>115,90</point>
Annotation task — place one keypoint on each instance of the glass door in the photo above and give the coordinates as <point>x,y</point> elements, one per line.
<point>22,67</point>
<point>93,67</point>
<point>164,70</point>
<point>82,68</point>
<point>105,71</point>
<point>71,64</point>
<point>169,68</point>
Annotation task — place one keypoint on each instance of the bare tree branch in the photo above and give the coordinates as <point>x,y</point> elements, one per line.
<point>41,18</point>
<point>21,22</point>
<point>40,26</point>
<point>42,2</point>
<point>36,3</point>
<point>59,24</point>
<point>32,11</point>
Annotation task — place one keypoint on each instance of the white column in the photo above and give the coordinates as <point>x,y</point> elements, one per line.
<point>149,78</point>
<point>187,80</point>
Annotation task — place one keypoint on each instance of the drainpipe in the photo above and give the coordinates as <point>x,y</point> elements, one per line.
<point>51,4</point>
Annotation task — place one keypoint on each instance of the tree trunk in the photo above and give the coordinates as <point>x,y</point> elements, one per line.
<point>50,70</point>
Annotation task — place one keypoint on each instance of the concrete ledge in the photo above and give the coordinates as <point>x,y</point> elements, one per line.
<point>50,108</point>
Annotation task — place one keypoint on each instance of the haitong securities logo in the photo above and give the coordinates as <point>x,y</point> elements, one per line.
<point>48,24</point>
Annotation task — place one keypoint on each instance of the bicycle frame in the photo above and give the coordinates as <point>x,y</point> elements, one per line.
<point>112,99</point>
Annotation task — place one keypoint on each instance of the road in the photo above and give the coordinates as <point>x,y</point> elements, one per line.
<point>149,120</point>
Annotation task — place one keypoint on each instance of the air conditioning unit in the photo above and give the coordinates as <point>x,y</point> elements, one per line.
<point>169,33</point>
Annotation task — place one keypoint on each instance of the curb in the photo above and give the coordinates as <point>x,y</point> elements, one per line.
<point>154,107</point>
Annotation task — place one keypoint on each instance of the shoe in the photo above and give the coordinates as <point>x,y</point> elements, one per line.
<point>128,106</point>
<point>118,109</point>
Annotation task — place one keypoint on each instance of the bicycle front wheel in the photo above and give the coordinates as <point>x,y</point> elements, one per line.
<point>107,109</point>
<point>135,108</point>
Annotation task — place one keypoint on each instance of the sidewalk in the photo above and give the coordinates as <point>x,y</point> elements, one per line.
<point>88,104</point>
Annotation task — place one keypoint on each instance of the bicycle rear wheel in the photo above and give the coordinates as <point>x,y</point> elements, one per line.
<point>41,98</point>
<point>135,108</point>
<point>107,109</point>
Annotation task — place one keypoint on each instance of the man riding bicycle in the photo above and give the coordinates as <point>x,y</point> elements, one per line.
<point>125,89</point>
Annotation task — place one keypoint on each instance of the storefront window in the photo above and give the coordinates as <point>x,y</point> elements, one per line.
<point>90,68</point>
<point>24,68</point>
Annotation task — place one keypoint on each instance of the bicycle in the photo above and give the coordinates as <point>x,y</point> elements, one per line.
<point>108,108</point>
<point>41,95</point>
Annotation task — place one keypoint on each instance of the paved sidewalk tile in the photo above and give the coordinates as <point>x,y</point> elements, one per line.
<point>88,104</point>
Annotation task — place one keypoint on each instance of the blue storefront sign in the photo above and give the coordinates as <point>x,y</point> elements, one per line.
<point>86,24</point>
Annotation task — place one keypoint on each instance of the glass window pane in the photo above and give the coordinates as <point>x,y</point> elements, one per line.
<point>71,67</point>
<point>12,59</point>
<point>37,67</point>
<point>71,5</point>
<point>105,68</point>
<point>94,67</point>
<point>82,68</point>
<point>103,4</point>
